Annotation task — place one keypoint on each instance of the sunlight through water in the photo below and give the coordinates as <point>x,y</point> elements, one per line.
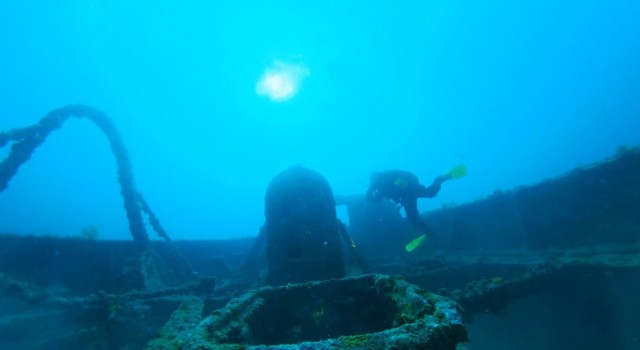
<point>281,81</point>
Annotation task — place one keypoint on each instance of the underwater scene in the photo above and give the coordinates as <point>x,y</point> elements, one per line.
<point>301,175</point>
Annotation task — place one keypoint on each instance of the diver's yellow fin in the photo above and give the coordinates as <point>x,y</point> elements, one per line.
<point>415,243</point>
<point>457,172</point>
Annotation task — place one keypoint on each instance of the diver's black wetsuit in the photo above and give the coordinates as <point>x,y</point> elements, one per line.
<point>404,188</point>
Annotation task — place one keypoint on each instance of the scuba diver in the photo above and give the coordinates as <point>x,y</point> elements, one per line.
<point>404,188</point>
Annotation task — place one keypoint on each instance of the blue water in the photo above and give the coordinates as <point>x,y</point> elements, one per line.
<point>518,91</point>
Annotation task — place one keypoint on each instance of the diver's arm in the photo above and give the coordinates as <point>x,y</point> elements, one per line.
<point>373,194</point>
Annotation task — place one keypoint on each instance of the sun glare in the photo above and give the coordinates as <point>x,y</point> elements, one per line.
<point>281,81</point>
